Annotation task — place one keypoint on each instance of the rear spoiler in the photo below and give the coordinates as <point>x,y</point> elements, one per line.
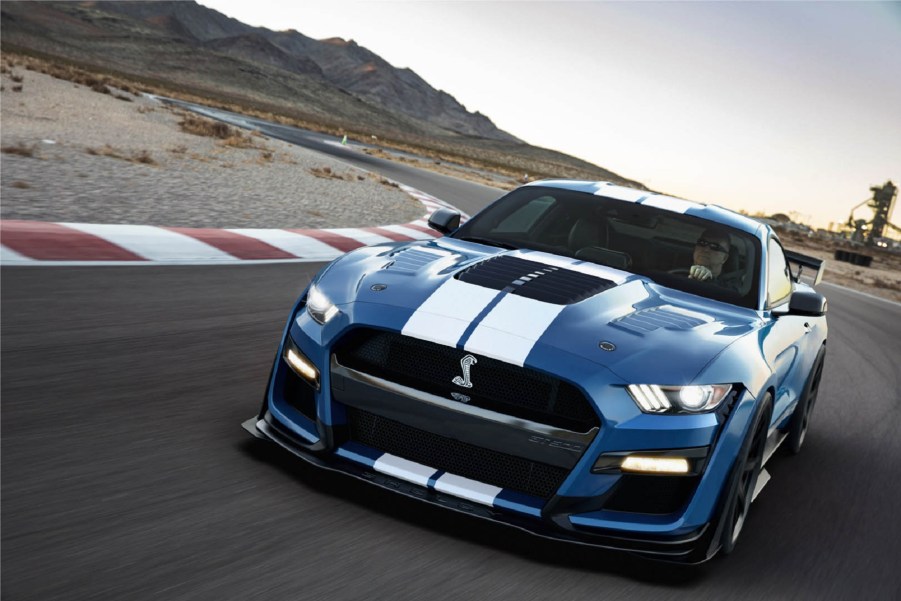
<point>803,261</point>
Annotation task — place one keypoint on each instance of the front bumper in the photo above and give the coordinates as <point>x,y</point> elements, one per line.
<point>691,547</point>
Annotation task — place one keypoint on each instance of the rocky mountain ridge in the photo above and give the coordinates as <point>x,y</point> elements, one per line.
<point>345,65</point>
<point>185,50</point>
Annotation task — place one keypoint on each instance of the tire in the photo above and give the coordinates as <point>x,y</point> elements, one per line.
<point>800,421</point>
<point>744,479</point>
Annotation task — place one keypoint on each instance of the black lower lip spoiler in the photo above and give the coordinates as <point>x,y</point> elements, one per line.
<point>693,548</point>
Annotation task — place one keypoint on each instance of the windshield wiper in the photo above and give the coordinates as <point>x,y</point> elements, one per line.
<point>489,242</point>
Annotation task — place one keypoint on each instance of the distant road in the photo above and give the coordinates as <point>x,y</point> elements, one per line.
<point>126,474</point>
<point>468,196</point>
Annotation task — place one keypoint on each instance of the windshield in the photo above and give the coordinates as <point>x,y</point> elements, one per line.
<point>663,246</point>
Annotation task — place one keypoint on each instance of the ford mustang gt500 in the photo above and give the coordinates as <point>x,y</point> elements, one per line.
<point>583,361</point>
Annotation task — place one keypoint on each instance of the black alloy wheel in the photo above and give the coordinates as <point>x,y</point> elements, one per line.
<point>748,470</point>
<point>801,419</point>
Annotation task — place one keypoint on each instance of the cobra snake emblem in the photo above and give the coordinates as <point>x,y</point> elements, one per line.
<point>466,363</point>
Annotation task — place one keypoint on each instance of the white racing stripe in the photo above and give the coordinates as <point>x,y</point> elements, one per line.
<point>8,255</point>
<point>620,193</point>
<point>404,469</point>
<point>295,244</point>
<point>668,203</point>
<point>154,243</point>
<point>512,328</point>
<point>473,490</point>
<point>588,268</point>
<point>446,314</point>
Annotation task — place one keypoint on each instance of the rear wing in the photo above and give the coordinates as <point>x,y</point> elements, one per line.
<point>803,261</point>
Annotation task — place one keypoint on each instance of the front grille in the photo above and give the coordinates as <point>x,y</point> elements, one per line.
<point>497,386</point>
<point>534,280</point>
<point>651,494</point>
<point>453,456</point>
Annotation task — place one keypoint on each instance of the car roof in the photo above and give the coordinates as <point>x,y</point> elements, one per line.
<point>709,212</point>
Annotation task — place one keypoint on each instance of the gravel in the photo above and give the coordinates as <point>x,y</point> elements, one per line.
<point>86,168</point>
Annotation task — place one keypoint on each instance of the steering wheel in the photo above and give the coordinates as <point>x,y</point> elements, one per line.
<point>680,271</point>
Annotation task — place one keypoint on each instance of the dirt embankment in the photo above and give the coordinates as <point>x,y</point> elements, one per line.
<point>882,278</point>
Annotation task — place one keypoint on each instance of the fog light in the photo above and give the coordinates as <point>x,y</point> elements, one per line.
<point>655,465</point>
<point>302,366</point>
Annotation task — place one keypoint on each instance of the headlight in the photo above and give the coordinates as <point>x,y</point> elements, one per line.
<point>651,398</point>
<point>320,308</point>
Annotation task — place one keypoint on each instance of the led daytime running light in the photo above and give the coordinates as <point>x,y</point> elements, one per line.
<point>655,465</point>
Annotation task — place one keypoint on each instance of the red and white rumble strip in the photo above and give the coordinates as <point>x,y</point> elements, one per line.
<point>45,243</point>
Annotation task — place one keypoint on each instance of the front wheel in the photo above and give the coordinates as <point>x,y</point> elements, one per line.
<point>747,468</point>
<point>800,421</point>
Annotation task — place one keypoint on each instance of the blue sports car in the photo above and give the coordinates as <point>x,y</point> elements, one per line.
<point>580,360</point>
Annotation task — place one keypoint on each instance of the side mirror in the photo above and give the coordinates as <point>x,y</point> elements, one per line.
<point>807,302</point>
<point>444,220</point>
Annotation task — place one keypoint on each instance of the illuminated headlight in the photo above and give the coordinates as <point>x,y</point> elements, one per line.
<point>320,308</point>
<point>652,398</point>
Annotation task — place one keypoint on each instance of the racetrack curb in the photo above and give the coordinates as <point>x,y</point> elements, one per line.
<point>50,243</point>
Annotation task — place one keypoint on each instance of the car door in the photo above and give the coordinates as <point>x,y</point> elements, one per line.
<point>784,335</point>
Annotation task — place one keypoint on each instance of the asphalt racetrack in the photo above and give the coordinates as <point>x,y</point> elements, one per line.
<point>126,474</point>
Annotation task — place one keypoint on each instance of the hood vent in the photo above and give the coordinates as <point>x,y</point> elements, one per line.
<point>413,259</point>
<point>534,280</point>
<point>667,316</point>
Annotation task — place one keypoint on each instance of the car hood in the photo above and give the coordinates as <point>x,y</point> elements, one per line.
<point>632,326</point>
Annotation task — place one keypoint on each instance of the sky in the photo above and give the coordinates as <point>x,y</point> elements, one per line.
<point>791,107</point>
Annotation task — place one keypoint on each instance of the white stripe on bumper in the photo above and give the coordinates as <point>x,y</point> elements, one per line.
<point>465,488</point>
<point>404,469</point>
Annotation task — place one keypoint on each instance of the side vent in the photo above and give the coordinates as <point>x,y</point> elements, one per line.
<point>534,280</point>
<point>412,260</point>
<point>667,316</point>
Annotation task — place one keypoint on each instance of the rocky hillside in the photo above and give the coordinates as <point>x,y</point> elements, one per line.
<point>186,50</point>
<point>87,28</point>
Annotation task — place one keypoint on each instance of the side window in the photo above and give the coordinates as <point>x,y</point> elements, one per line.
<point>779,284</point>
<point>522,219</point>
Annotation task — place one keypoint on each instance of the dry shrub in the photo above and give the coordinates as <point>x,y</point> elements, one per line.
<point>237,140</point>
<point>101,88</point>
<point>17,88</point>
<point>327,173</point>
<point>145,109</point>
<point>122,97</point>
<point>179,149</point>
<point>205,127</point>
<point>141,156</point>
<point>267,155</point>
<point>17,78</point>
<point>21,185</point>
<point>20,149</point>
<point>887,284</point>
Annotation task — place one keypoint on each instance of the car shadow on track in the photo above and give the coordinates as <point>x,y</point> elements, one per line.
<point>471,529</point>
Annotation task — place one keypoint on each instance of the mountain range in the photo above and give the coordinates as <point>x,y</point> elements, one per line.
<point>189,48</point>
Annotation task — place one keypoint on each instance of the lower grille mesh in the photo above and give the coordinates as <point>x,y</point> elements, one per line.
<point>460,458</point>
